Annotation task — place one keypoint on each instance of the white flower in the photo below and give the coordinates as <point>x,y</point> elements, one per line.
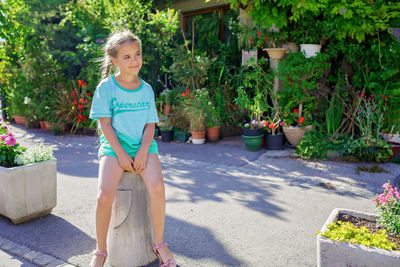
<point>35,154</point>
<point>47,107</point>
<point>27,100</point>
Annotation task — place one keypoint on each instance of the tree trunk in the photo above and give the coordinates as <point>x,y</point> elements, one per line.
<point>130,233</point>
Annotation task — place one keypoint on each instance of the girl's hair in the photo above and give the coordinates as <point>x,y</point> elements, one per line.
<point>114,42</point>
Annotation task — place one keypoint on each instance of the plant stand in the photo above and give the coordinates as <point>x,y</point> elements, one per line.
<point>275,54</point>
<point>28,192</point>
<point>331,253</point>
<point>130,235</point>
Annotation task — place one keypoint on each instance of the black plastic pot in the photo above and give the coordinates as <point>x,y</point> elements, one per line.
<point>273,141</point>
<point>252,132</point>
<point>166,136</point>
<point>181,136</point>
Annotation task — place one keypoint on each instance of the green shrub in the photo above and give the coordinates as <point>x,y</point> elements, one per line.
<point>347,232</point>
<point>314,145</point>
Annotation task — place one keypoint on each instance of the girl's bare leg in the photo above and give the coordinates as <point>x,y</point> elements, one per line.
<point>154,182</point>
<point>110,174</point>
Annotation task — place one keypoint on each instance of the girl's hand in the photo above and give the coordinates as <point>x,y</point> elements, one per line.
<point>126,162</point>
<point>140,161</point>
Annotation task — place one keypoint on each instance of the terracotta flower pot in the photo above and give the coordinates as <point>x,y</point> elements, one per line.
<point>19,119</point>
<point>198,138</point>
<point>213,133</point>
<point>48,125</point>
<point>42,125</point>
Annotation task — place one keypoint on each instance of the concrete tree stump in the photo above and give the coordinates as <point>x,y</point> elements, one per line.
<point>130,234</point>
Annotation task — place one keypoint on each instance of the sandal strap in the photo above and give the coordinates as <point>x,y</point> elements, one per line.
<point>160,245</point>
<point>100,253</point>
<point>170,262</point>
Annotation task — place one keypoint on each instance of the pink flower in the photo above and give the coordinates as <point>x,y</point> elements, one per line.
<point>282,123</point>
<point>362,95</point>
<point>10,141</point>
<point>386,186</point>
<point>10,133</point>
<point>375,201</point>
<point>3,137</point>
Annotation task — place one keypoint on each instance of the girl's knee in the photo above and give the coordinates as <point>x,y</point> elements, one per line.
<point>157,189</point>
<point>105,198</point>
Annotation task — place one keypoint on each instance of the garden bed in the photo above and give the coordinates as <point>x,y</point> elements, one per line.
<point>372,226</point>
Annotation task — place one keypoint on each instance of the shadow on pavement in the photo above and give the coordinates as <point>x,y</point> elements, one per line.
<point>51,235</point>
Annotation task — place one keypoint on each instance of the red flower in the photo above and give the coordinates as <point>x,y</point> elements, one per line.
<point>301,120</point>
<point>81,106</point>
<point>295,110</point>
<point>251,39</point>
<point>73,93</point>
<point>183,94</point>
<point>74,102</point>
<point>259,33</point>
<point>81,100</point>
<point>192,96</point>
<point>187,92</point>
<point>81,83</point>
<point>85,100</point>
<point>79,120</point>
<point>88,94</point>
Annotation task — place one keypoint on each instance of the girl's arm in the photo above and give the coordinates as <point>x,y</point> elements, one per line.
<point>141,156</point>
<point>125,161</point>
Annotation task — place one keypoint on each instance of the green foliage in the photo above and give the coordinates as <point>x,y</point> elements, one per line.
<point>351,148</point>
<point>347,232</point>
<point>314,145</point>
<point>300,77</point>
<point>333,114</point>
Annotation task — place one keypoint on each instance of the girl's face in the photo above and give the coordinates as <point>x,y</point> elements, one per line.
<point>129,58</point>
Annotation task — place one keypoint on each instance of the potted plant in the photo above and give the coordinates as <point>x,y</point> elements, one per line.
<point>273,136</point>
<point>166,128</point>
<point>212,121</point>
<point>21,169</point>
<point>249,39</point>
<point>300,76</point>
<point>194,107</point>
<point>352,238</point>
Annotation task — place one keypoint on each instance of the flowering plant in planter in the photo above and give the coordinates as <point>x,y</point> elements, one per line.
<point>9,148</point>
<point>388,204</point>
<point>195,106</point>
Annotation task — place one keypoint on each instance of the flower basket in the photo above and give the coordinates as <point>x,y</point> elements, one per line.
<point>332,253</point>
<point>295,134</point>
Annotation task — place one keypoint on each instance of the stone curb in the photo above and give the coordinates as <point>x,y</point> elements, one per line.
<point>37,258</point>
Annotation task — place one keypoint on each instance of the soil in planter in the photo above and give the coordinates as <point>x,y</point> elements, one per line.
<point>373,227</point>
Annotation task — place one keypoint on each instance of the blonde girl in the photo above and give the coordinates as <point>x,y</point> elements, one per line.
<point>124,105</point>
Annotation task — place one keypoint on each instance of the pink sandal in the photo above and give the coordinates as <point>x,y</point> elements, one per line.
<point>170,262</point>
<point>100,253</point>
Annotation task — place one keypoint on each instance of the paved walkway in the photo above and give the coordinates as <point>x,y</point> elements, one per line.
<point>226,206</point>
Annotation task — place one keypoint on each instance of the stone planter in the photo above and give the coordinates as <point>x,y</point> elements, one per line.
<point>246,55</point>
<point>28,192</point>
<point>130,233</point>
<point>276,53</point>
<point>331,253</point>
<point>310,50</point>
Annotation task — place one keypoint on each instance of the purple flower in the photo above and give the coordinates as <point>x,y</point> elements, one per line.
<point>343,11</point>
<point>99,41</point>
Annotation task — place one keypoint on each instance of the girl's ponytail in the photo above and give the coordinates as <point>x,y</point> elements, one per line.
<point>106,65</point>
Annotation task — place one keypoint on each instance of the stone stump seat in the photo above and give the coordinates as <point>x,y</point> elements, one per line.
<point>130,234</point>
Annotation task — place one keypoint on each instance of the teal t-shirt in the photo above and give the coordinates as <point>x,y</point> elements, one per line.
<point>129,110</point>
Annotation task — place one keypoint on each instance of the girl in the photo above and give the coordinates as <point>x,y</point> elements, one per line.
<point>124,105</point>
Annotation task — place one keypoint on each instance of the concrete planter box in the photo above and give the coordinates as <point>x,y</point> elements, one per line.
<point>331,253</point>
<point>28,192</point>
